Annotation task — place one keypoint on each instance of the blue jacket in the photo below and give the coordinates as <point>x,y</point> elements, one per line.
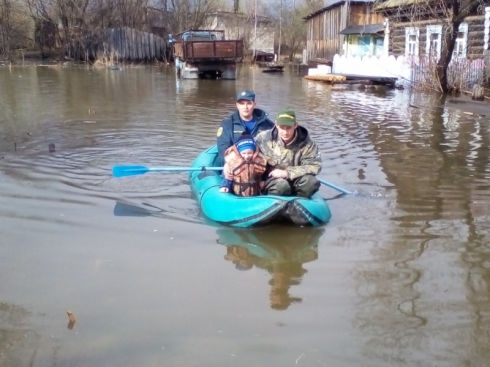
<point>232,127</point>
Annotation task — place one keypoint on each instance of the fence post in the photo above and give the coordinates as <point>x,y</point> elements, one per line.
<point>478,92</point>
<point>486,60</point>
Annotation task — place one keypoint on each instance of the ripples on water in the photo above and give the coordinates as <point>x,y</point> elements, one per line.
<point>402,273</point>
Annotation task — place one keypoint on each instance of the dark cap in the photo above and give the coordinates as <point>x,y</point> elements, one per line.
<point>247,95</point>
<point>286,117</point>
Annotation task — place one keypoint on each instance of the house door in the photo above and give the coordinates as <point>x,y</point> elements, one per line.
<point>378,46</point>
<point>364,45</point>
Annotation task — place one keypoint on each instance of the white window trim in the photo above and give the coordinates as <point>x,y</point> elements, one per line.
<point>411,31</point>
<point>486,36</point>
<point>434,29</point>
<point>463,28</point>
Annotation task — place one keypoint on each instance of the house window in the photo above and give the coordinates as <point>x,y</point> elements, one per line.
<point>411,41</point>
<point>378,46</point>
<point>433,44</point>
<point>461,44</point>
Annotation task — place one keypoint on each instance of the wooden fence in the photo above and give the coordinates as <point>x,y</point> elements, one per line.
<point>462,73</point>
<point>126,44</point>
<point>414,71</point>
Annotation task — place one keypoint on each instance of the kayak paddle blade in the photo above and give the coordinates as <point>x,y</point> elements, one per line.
<point>124,171</point>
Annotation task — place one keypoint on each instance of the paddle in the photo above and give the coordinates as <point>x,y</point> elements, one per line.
<point>344,191</point>
<point>123,171</point>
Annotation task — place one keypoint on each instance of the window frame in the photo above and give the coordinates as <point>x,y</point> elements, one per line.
<point>461,43</point>
<point>434,29</point>
<point>412,31</point>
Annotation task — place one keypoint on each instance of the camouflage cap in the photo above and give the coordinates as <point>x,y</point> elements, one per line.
<point>286,117</point>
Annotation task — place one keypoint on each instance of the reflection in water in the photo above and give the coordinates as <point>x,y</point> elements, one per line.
<point>428,278</point>
<point>18,345</point>
<point>280,251</point>
<point>122,209</point>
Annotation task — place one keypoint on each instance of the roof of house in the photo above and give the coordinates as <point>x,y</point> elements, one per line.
<point>331,4</point>
<point>239,15</point>
<point>363,29</point>
<point>388,4</point>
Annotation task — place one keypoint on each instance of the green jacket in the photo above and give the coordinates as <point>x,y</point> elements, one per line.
<point>299,158</point>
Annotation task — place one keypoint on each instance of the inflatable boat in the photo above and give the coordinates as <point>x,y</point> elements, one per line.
<point>236,211</point>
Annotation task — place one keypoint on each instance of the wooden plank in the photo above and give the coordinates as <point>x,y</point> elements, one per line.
<point>138,45</point>
<point>157,55</point>
<point>147,46</point>
<point>122,50</point>
<point>118,42</point>
<point>127,38</point>
<point>152,46</point>
<point>326,78</point>
<point>158,50</point>
<point>132,50</point>
<point>141,36</point>
<point>130,43</point>
<point>127,32</point>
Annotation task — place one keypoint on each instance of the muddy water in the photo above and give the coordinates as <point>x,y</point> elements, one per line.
<point>400,276</point>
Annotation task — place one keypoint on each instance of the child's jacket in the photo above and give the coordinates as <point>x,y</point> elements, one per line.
<point>245,175</point>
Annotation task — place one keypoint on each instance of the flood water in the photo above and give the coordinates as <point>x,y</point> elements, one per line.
<point>399,277</point>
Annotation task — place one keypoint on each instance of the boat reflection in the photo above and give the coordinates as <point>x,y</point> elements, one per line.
<point>281,251</point>
<point>122,209</point>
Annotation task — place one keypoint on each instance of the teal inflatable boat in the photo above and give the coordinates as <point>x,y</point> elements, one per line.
<point>239,211</point>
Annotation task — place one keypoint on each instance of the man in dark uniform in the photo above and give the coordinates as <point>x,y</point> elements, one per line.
<point>247,118</point>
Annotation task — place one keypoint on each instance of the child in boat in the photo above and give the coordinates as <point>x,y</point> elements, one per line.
<point>243,168</point>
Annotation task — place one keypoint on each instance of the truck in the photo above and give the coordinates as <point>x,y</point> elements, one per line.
<point>206,54</point>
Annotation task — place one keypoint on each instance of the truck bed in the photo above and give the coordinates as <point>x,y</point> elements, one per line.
<point>209,50</point>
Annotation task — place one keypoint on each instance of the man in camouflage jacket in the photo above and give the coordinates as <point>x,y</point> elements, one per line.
<point>292,158</point>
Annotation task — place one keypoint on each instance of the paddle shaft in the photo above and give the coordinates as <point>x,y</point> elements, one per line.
<point>326,183</point>
<point>182,169</point>
<point>123,171</point>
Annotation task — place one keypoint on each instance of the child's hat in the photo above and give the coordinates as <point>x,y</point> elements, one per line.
<point>245,142</point>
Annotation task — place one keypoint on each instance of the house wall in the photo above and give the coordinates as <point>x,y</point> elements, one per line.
<point>475,41</point>
<point>156,22</point>
<point>243,27</point>
<point>476,36</point>
<point>362,14</point>
<point>323,38</point>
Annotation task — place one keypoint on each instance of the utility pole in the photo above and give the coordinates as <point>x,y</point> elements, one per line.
<point>280,34</point>
<point>255,27</point>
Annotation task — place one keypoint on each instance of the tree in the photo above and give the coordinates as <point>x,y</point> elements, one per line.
<point>255,25</point>
<point>294,26</point>
<point>5,27</point>
<point>290,24</point>
<point>75,23</point>
<point>188,14</point>
<point>15,26</point>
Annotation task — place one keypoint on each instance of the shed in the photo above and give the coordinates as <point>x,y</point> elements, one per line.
<point>327,27</point>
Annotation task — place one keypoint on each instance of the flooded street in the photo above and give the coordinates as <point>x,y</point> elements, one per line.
<point>399,277</point>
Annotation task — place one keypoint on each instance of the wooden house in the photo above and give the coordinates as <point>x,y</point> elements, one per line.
<point>416,29</point>
<point>344,27</point>
<point>257,32</point>
<point>156,21</point>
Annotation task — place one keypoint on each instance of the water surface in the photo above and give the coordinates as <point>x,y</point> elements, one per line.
<point>399,277</point>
